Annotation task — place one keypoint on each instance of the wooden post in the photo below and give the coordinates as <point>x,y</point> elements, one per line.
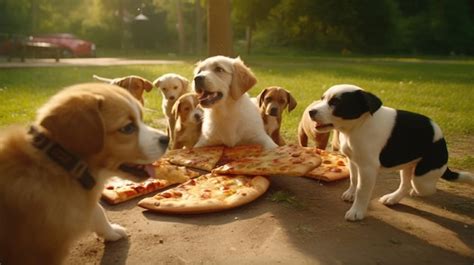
<point>219,30</point>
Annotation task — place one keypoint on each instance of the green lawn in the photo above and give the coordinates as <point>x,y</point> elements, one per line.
<point>440,89</point>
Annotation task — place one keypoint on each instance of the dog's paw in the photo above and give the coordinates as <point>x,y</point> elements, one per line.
<point>348,195</point>
<point>390,199</point>
<point>355,214</point>
<point>115,233</point>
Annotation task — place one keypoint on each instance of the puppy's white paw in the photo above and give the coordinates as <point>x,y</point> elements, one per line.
<point>348,195</point>
<point>355,214</point>
<point>115,233</point>
<point>391,198</point>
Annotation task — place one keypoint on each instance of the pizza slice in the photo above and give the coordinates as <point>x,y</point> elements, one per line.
<point>333,167</point>
<point>287,160</point>
<point>117,189</point>
<point>203,158</point>
<point>207,193</point>
<point>231,154</point>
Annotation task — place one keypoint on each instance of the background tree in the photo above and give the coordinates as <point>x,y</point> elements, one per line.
<point>219,28</point>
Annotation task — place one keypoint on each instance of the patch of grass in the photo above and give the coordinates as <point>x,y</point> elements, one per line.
<point>285,198</point>
<point>440,89</point>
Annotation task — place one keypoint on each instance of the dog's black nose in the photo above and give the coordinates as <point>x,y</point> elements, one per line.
<point>197,116</point>
<point>199,83</point>
<point>313,113</point>
<point>164,141</point>
<point>274,111</point>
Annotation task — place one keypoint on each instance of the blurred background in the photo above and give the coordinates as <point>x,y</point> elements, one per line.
<point>398,27</point>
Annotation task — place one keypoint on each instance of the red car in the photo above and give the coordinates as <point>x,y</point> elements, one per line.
<point>70,44</point>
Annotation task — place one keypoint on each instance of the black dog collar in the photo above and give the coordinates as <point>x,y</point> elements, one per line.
<point>69,162</point>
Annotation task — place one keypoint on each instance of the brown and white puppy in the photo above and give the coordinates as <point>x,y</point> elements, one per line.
<point>188,115</point>
<point>272,101</point>
<point>230,117</point>
<point>307,129</point>
<point>52,175</point>
<point>172,86</point>
<point>132,83</point>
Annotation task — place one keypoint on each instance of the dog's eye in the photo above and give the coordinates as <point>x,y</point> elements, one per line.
<point>219,69</point>
<point>129,128</point>
<point>333,101</point>
<point>268,99</point>
<point>175,87</point>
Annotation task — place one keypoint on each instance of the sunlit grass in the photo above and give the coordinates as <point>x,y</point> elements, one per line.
<point>442,90</point>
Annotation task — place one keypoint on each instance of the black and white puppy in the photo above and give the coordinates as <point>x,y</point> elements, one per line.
<point>377,138</point>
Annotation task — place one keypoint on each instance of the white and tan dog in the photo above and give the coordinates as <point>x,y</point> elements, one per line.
<point>52,175</point>
<point>172,86</point>
<point>230,117</point>
<point>188,115</point>
<point>377,138</point>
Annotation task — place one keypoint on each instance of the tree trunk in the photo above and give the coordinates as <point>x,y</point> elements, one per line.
<point>219,30</point>
<point>199,39</point>
<point>248,36</point>
<point>180,26</point>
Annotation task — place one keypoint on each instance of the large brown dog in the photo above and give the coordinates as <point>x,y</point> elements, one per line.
<point>272,101</point>
<point>52,175</point>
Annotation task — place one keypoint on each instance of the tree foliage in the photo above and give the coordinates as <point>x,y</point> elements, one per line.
<point>367,26</point>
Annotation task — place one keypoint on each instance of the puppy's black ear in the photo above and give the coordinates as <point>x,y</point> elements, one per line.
<point>291,101</point>
<point>261,97</point>
<point>373,102</point>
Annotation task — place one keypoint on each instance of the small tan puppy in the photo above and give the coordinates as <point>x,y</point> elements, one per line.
<point>172,86</point>
<point>52,175</point>
<point>230,117</point>
<point>307,129</point>
<point>188,115</point>
<point>132,83</point>
<point>272,101</point>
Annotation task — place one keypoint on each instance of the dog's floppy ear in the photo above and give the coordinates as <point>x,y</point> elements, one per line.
<point>175,109</point>
<point>147,85</point>
<point>261,96</point>
<point>124,82</point>
<point>242,79</point>
<point>157,82</point>
<point>184,83</point>
<point>291,101</point>
<point>372,101</point>
<point>77,124</point>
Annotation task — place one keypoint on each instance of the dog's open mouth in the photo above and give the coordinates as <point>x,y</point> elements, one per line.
<point>322,127</point>
<point>207,98</point>
<point>141,171</point>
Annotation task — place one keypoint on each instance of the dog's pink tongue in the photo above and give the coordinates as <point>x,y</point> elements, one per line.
<point>150,169</point>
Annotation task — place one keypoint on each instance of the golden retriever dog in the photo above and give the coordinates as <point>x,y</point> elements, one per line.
<point>132,83</point>
<point>188,115</point>
<point>307,130</point>
<point>172,86</point>
<point>230,117</point>
<point>272,101</point>
<point>52,174</point>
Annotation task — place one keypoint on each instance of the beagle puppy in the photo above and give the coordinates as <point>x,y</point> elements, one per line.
<point>172,86</point>
<point>271,102</point>
<point>230,117</point>
<point>52,174</point>
<point>307,130</point>
<point>376,138</point>
<point>132,83</point>
<point>188,115</point>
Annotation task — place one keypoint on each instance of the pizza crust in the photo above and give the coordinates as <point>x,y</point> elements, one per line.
<point>194,205</point>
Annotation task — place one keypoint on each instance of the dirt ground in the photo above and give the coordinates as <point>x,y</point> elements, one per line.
<point>306,228</point>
